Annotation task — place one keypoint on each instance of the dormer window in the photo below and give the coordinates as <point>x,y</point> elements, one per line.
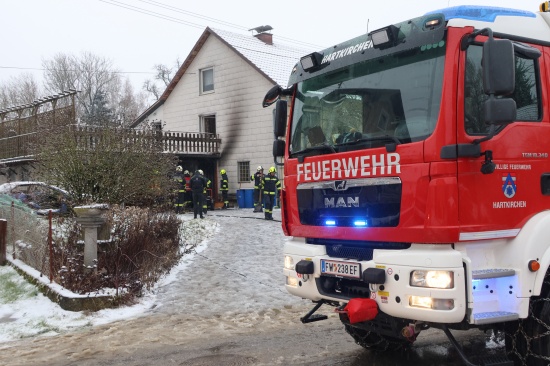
<point>207,80</point>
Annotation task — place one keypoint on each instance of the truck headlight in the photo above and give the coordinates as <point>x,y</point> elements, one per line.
<point>289,262</point>
<point>432,279</point>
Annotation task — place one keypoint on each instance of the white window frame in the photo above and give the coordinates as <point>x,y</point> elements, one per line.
<point>201,81</point>
<point>202,124</point>
<point>243,170</point>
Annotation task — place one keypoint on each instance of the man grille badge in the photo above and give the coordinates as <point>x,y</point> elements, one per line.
<point>340,185</point>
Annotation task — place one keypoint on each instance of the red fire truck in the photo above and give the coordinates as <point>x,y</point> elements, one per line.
<point>417,179</point>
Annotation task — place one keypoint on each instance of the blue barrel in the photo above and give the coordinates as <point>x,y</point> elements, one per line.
<point>240,198</point>
<point>248,198</point>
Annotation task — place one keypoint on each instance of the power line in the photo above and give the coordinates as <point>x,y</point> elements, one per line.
<point>66,70</point>
<point>151,13</point>
<point>179,10</point>
<point>180,21</point>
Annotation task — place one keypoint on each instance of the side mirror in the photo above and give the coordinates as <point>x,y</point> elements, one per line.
<point>499,67</point>
<point>278,148</point>
<point>499,111</point>
<point>272,95</point>
<point>499,80</point>
<point>279,118</point>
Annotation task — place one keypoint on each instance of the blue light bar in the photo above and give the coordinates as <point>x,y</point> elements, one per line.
<point>481,13</point>
<point>330,222</point>
<point>360,223</point>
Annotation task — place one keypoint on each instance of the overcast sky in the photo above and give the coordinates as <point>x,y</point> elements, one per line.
<point>137,34</point>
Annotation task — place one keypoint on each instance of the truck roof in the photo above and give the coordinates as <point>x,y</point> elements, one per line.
<point>517,23</point>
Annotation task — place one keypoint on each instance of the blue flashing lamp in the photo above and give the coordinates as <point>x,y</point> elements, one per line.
<point>481,13</point>
<point>360,223</point>
<point>330,222</point>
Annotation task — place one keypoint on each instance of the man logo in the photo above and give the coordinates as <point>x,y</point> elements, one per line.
<point>340,202</point>
<point>340,185</point>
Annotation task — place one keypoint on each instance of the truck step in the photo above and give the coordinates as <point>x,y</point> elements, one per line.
<point>494,361</point>
<point>494,317</point>
<point>480,274</point>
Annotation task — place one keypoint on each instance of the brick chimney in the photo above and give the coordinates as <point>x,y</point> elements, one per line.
<point>262,35</point>
<point>266,38</point>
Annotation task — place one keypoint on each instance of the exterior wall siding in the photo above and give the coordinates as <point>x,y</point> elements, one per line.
<point>244,126</point>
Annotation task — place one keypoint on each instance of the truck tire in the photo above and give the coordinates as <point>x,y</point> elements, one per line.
<point>528,340</point>
<point>376,342</point>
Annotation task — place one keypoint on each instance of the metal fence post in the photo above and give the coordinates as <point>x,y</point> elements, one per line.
<point>3,241</point>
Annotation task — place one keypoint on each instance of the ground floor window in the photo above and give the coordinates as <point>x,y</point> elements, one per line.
<point>244,171</point>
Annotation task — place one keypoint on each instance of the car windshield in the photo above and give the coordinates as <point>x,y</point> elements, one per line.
<point>393,99</point>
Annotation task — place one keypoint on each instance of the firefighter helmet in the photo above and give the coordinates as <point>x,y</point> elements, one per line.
<point>179,168</point>
<point>260,168</point>
<point>272,169</point>
<point>186,172</point>
<point>201,172</point>
<point>222,171</point>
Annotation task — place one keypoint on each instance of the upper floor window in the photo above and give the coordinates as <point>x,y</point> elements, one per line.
<point>207,80</point>
<point>208,124</point>
<point>526,93</point>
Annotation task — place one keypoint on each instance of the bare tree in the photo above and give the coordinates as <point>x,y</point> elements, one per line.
<point>164,74</point>
<point>19,90</point>
<point>88,73</point>
<point>127,104</point>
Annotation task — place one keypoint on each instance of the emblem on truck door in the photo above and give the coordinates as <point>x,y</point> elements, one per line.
<point>509,185</point>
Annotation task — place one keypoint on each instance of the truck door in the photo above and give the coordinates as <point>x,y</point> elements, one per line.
<point>497,204</point>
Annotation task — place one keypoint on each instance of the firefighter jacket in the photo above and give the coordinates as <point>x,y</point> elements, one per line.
<point>187,182</point>
<point>258,179</point>
<point>224,183</point>
<point>198,183</point>
<point>178,178</point>
<point>271,184</point>
<point>207,185</point>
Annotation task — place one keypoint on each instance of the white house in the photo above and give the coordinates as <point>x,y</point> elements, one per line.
<point>219,90</point>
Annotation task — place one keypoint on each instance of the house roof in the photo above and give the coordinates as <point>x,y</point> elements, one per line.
<point>273,61</point>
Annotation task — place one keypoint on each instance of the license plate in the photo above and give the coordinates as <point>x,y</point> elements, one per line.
<point>344,269</point>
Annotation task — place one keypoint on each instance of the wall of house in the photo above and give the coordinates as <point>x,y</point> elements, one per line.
<point>245,128</point>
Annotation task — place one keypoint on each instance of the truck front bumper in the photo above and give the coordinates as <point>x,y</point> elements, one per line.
<point>394,294</point>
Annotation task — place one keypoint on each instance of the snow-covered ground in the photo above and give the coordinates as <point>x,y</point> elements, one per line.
<point>236,268</point>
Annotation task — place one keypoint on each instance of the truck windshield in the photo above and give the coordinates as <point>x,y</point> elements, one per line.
<point>394,98</point>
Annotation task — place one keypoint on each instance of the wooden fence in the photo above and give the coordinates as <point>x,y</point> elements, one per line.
<point>21,146</point>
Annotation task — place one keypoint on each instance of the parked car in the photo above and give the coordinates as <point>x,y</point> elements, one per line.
<point>39,196</point>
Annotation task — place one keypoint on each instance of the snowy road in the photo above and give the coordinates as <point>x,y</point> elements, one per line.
<point>224,305</point>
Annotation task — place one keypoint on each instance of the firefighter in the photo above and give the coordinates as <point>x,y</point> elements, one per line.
<point>224,188</point>
<point>258,179</point>
<point>188,196</point>
<point>205,193</point>
<point>180,190</point>
<point>271,186</point>
<point>198,184</point>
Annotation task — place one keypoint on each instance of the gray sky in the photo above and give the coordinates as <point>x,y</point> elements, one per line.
<point>33,30</point>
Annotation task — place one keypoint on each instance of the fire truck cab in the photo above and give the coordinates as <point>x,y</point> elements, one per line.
<point>417,179</point>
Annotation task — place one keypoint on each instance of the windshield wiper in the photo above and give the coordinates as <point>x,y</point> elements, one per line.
<point>325,146</point>
<point>371,139</point>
